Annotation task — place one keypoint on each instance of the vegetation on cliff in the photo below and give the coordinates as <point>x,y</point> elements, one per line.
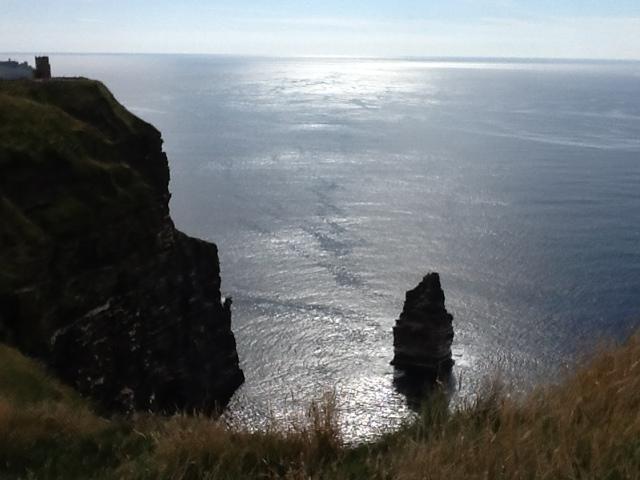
<point>63,159</point>
<point>94,278</point>
<point>587,426</point>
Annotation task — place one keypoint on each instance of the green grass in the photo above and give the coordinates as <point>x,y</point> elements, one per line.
<point>23,382</point>
<point>75,168</point>
<point>89,101</point>
<point>586,427</point>
<point>62,167</point>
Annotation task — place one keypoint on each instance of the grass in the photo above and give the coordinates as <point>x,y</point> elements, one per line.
<point>75,169</point>
<point>88,101</point>
<point>585,427</point>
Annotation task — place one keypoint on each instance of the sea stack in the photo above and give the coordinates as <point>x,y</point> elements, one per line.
<point>423,334</point>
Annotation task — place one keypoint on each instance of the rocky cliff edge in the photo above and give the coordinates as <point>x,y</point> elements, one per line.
<point>94,278</point>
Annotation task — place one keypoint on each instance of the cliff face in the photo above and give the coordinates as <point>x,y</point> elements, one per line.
<point>423,334</point>
<point>94,277</point>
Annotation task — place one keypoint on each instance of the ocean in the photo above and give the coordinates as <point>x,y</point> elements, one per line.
<point>331,186</point>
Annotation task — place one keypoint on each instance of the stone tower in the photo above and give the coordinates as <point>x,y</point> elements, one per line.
<point>43,69</point>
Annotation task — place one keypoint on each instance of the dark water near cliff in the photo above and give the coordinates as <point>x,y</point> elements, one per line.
<point>332,186</point>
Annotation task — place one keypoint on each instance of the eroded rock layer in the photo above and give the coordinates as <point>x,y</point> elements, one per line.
<point>423,334</point>
<point>94,277</point>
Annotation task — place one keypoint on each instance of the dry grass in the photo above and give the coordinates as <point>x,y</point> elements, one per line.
<point>587,426</point>
<point>187,447</point>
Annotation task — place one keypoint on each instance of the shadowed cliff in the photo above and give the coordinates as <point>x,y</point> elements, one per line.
<point>94,277</point>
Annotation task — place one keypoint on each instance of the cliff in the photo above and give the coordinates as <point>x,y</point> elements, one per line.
<point>94,277</point>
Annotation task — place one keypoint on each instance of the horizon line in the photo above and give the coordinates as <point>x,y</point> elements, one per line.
<point>461,58</point>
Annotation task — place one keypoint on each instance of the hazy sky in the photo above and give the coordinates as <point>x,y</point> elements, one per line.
<point>521,28</point>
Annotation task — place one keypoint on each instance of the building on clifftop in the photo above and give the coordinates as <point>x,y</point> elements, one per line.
<point>12,70</point>
<point>43,68</point>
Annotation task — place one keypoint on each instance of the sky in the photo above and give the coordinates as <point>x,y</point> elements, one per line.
<point>377,28</point>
